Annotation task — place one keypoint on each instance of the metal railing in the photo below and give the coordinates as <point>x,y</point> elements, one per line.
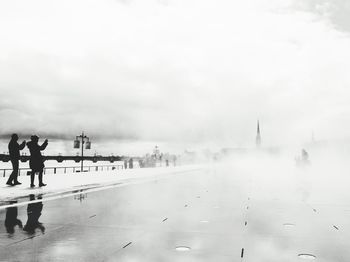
<point>64,170</point>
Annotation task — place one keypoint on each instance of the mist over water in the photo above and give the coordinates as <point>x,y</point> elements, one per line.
<point>278,176</point>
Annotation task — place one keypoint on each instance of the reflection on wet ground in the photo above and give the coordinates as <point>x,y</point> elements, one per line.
<point>11,220</point>
<point>34,212</point>
<point>211,215</point>
<point>49,196</point>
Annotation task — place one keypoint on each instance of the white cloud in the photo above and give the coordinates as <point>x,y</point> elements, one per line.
<point>190,71</point>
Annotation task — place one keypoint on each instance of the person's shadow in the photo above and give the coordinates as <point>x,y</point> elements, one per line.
<point>11,220</point>
<point>34,212</point>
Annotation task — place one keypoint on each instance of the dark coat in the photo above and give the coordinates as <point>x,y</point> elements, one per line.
<point>36,161</point>
<point>14,149</point>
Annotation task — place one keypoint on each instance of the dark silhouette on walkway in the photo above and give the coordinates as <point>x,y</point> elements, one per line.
<point>141,163</point>
<point>34,212</point>
<point>304,156</point>
<point>36,161</point>
<point>11,219</point>
<point>303,160</point>
<point>131,163</point>
<point>14,149</point>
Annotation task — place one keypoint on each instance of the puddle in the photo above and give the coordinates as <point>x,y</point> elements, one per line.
<point>307,256</point>
<point>182,248</point>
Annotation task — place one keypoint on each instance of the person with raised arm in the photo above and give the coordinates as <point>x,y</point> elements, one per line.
<point>36,161</point>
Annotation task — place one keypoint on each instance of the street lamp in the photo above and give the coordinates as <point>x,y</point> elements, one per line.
<point>82,139</point>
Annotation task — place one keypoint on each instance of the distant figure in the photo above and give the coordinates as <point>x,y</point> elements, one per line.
<point>131,163</point>
<point>304,159</point>
<point>36,161</point>
<point>11,219</point>
<point>34,212</point>
<point>167,162</point>
<point>125,164</point>
<point>304,156</point>
<point>141,164</point>
<point>14,149</point>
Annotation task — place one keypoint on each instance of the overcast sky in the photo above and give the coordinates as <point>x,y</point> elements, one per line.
<point>181,72</point>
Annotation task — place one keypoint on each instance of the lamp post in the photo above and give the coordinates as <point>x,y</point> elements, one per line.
<point>82,139</point>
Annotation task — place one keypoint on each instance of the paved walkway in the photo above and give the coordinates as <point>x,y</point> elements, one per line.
<point>250,210</point>
<point>57,183</point>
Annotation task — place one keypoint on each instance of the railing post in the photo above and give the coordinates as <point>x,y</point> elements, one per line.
<point>54,170</point>
<point>73,169</point>
<point>65,170</point>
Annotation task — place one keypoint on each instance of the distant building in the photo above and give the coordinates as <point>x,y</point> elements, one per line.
<point>243,150</point>
<point>258,136</point>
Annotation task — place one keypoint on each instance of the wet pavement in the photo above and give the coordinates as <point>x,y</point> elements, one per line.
<point>210,215</point>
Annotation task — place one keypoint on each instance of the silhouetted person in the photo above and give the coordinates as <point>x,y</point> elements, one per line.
<point>125,164</point>
<point>36,161</point>
<point>131,163</point>
<point>140,163</point>
<point>34,213</point>
<point>304,156</point>
<point>14,149</point>
<point>303,160</point>
<point>11,219</point>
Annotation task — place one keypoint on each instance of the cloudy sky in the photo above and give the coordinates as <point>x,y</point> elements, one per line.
<point>180,72</point>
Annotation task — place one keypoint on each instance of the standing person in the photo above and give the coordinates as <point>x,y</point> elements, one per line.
<point>36,161</point>
<point>14,149</point>
<point>131,163</point>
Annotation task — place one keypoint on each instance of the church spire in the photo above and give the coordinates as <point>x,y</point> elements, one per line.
<point>258,137</point>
